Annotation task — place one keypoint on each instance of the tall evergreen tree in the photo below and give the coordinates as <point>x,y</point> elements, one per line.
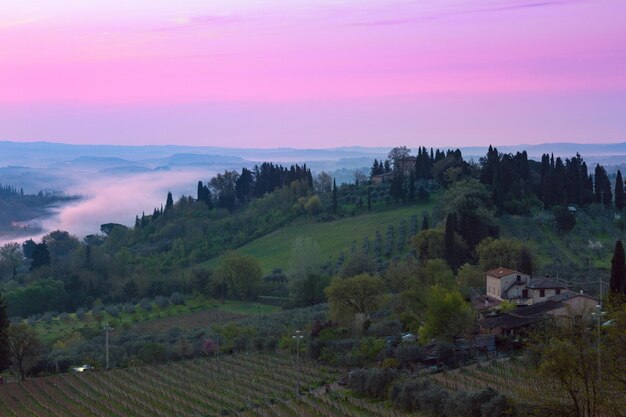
<point>619,191</point>
<point>451,250</point>
<point>369,199</point>
<point>396,187</point>
<point>425,225</point>
<point>169,203</point>
<point>41,256</point>
<point>412,186</point>
<point>5,353</point>
<point>603,194</point>
<point>525,263</point>
<point>617,284</point>
<point>334,196</point>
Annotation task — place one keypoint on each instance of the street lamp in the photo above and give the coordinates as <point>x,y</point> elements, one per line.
<point>598,315</point>
<point>106,329</point>
<point>298,337</point>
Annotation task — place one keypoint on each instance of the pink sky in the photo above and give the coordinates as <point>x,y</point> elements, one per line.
<point>306,73</point>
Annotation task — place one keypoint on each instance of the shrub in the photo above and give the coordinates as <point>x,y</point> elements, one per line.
<point>146,305</point>
<point>80,314</point>
<point>372,382</point>
<point>162,302</point>
<point>113,311</point>
<point>177,299</point>
<point>498,406</point>
<point>408,355</point>
<point>47,317</point>
<point>129,309</point>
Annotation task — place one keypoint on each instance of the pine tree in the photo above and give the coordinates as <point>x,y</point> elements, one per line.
<point>619,191</point>
<point>5,354</point>
<point>617,284</point>
<point>334,196</point>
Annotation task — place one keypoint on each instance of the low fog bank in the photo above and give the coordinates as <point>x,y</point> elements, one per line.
<point>115,199</point>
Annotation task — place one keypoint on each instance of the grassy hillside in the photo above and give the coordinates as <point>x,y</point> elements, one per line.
<point>194,313</point>
<point>582,254</point>
<point>274,249</point>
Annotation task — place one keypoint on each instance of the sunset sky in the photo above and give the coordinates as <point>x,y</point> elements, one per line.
<point>313,73</point>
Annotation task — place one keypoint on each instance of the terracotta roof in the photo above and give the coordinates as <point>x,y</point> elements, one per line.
<point>537,309</point>
<point>508,321</point>
<point>501,272</point>
<point>568,295</point>
<point>483,302</point>
<point>545,284</point>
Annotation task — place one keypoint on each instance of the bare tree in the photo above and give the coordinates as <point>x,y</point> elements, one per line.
<point>12,256</point>
<point>24,346</point>
<point>359,176</point>
<point>397,154</point>
<point>323,182</point>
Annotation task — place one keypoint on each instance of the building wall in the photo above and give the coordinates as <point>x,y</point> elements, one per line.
<point>496,287</point>
<point>536,294</point>
<point>516,291</point>
<point>493,287</point>
<point>582,306</point>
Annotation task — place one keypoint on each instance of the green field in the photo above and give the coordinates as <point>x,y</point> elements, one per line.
<point>274,249</point>
<point>194,311</point>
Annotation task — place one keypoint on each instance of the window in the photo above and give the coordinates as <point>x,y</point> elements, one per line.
<point>558,291</point>
<point>542,293</point>
<point>519,278</point>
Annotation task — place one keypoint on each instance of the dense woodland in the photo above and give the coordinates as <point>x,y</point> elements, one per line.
<point>17,207</point>
<point>418,278</point>
<point>161,254</point>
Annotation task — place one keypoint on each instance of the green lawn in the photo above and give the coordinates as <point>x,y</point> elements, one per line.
<point>274,249</point>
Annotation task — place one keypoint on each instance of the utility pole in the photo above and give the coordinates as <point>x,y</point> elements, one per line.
<point>107,329</point>
<point>599,314</point>
<point>298,337</point>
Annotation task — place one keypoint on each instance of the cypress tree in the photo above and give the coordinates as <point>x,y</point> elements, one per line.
<point>5,354</point>
<point>41,256</point>
<point>617,284</point>
<point>602,186</point>
<point>369,199</point>
<point>525,263</point>
<point>334,196</point>
<point>412,186</point>
<point>451,251</point>
<point>619,191</point>
<point>425,225</point>
<point>170,202</point>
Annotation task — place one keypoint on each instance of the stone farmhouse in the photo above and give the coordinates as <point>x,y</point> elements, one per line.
<point>538,300</point>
